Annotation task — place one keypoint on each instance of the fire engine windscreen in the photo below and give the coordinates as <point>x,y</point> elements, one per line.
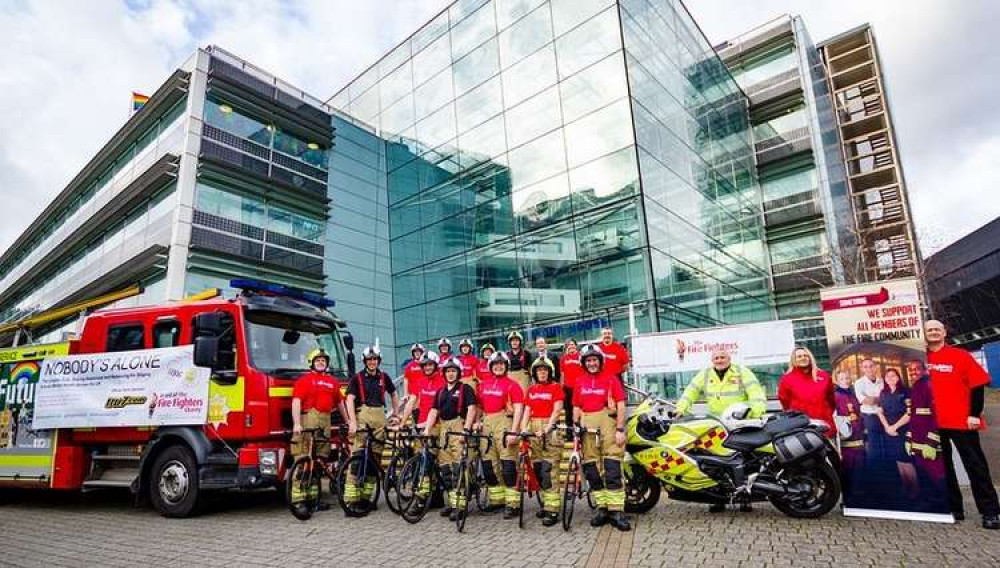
<point>279,343</point>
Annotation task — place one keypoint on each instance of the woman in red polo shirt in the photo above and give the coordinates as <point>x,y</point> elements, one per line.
<point>543,405</point>
<point>808,389</point>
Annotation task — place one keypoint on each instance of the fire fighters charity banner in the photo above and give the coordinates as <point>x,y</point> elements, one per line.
<point>25,453</point>
<point>151,387</point>
<point>891,461</point>
<point>752,344</point>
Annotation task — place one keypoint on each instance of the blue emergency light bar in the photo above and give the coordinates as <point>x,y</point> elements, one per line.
<point>267,288</point>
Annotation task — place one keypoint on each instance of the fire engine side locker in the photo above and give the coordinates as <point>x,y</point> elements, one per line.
<point>27,456</point>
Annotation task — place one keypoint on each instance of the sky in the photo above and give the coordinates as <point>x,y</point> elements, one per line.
<point>69,68</point>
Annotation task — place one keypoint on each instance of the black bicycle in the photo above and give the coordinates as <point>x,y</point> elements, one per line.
<point>304,483</point>
<point>363,465</point>
<point>402,450</point>
<point>418,480</point>
<point>471,480</point>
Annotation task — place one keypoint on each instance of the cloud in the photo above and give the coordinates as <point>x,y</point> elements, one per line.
<point>70,67</point>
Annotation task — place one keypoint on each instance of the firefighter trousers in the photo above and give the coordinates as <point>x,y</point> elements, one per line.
<point>602,462</point>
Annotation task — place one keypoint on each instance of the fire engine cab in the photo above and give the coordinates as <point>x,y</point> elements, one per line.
<point>255,344</point>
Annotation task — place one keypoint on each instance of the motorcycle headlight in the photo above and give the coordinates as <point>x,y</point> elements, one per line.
<point>268,462</point>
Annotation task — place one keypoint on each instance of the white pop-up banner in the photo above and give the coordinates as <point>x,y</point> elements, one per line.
<point>151,387</point>
<point>750,344</point>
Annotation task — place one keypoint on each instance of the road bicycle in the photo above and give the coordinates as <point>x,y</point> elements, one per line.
<point>303,486</point>
<point>471,480</point>
<point>364,465</point>
<point>573,483</point>
<point>402,450</point>
<point>418,480</point>
<point>527,480</point>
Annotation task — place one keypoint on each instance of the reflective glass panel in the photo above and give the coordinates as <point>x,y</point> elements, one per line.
<point>434,58</point>
<point>599,133</point>
<point>593,87</point>
<point>433,94</point>
<point>530,76</point>
<point>525,37</point>
<point>567,14</point>
<point>398,117</point>
<point>483,142</point>
<point>537,160</point>
<point>542,204</point>
<point>589,43</point>
<point>479,104</point>
<point>509,11</point>
<point>438,128</point>
<point>604,180</point>
<point>533,117</point>
<point>472,31</point>
<point>476,67</point>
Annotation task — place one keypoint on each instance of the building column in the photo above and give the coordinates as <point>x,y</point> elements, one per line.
<point>180,238</point>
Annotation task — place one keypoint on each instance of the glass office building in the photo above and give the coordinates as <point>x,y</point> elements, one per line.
<point>547,164</point>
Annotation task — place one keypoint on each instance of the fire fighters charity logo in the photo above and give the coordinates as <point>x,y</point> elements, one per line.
<point>218,410</point>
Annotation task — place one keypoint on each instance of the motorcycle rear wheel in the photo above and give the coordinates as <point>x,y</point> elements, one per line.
<point>823,498</point>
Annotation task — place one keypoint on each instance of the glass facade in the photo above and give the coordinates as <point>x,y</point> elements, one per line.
<point>552,162</point>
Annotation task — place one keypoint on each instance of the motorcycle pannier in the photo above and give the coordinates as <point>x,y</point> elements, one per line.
<point>798,446</point>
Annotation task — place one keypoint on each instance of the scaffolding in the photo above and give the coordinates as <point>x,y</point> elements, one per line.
<point>878,190</point>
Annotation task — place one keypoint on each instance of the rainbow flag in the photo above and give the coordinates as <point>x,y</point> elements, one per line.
<point>138,101</point>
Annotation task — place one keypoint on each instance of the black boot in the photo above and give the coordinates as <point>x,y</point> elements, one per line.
<point>959,515</point>
<point>991,522</point>
<point>511,513</point>
<point>540,514</point>
<point>549,519</point>
<point>717,508</point>
<point>447,511</point>
<point>619,521</point>
<point>600,519</point>
<point>355,511</point>
<point>494,508</point>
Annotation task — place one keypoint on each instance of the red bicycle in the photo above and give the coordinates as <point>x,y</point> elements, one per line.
<point>527,480</point>
<point>574,483</point>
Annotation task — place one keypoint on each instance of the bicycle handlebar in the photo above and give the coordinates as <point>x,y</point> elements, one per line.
<point>472,436</point>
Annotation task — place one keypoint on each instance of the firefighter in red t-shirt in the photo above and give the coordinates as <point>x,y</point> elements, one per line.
<point>314,397</point>
<point>470,363</point>
<point>616,359</point>
<point>595,391</point>
<point>411,369</point>
<point>570,368</point>
<point>543,404</point>
<point>483,366</point>
<point>501,401</point>
<point>958,382</point>
<point>420,399</point>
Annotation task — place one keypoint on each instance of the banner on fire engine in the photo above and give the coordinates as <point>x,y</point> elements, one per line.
<point>150,387</point>
<point>892,464</point>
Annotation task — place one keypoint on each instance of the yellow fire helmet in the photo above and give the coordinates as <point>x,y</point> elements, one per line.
<point>543,362</point>
<point>318,352</point>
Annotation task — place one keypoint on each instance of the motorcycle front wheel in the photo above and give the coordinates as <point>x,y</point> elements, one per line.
<point>642,491</point>
<point>818,492</point>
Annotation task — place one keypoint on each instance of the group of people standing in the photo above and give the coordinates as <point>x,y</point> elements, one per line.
<point>896,430</point>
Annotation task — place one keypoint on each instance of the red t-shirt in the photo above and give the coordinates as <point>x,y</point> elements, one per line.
<point>470,363</point>
<point>495,393</point>
<point>570,368</point>
<point>954,373</point>
<point>615,357</point>
<point>317,390</point>
<point>483,370</point>
<point>542,397</point>
<point>814,398</point>
<point>426,391</point>
<point>597,392</point>
<point>412,372</point>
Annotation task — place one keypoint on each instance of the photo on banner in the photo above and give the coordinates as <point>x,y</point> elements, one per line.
<point>892,465</point>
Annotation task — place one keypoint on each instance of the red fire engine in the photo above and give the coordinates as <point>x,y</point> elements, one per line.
<point>256,346</point>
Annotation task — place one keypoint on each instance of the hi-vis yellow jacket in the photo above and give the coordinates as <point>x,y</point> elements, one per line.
<point>738,385</point>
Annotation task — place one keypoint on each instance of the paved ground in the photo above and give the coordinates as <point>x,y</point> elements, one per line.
<point>102,529</point>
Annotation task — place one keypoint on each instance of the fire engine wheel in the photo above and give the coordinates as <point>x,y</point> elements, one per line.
<point>173,485</point>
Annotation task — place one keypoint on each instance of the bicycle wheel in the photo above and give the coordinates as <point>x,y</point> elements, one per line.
<point>522,485</point>
<point>390,482</point>
<point>570,488</point>
<point>480,488</point>
<point>411,477</point>
<point>463,490</point>
<point>303,481</point>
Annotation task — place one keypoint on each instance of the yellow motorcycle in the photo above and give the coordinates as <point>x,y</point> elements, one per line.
<point>785,459</point>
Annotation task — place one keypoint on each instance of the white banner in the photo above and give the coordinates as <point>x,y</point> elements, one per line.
<point>151,387</point>
<point>750,344</point>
